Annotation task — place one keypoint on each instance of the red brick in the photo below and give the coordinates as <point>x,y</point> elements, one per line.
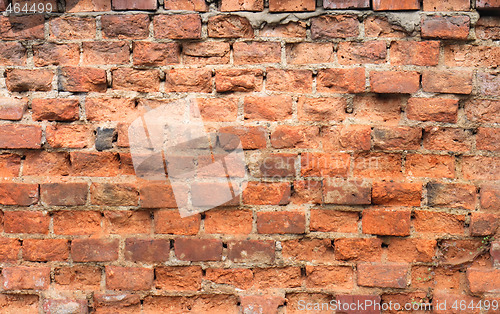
<point>442,279</point>
<point>188,80</point>
<point>453,5</point>
<point>81,80</point>
<point>447,81</point>
<point>147,250</point>
<point>346,192</point>
<point>206,53</point>
<point>238,80</point>
<point>69,136</point>
<point>393,5</point>
<point>55,305</point>
<point>377,165</point>
<point>483,224</point>
<point>261,304</point>
<point>26,222</point>
<point>188,5</point>
<point>43,250</point>
<point>288,30</point>
<point>111,109</point>
<point>64,194</point>
<point>114,194</point>
<point>449,139</point>
<point>10,165</point>
<point>346,4</point>
<point>298,81</point>
<point>157,195</point>
<point>371,303</point>
<point>490,197</point>
<point>12,53</point>
<point>291,5</point>
<point>328,220</point>
<point>334,26</point>
<point>55,109</point>
<point>380,109</point>
<point>280,222</point>
<point>430,166</point>
<point>251,137</point>
<point>197,250</point>
<point>424,53</point>
<point>277,277</point>
<point>101,52</point>
<point>43,163</point>
<point>487,4</point>
<point>495,252</point>
<point>129,278</point>
<point>341,80</point>
<point>77,222</point>
<point>19,303</point>
<point>381,27</point>
<point>315,250</point>
<point>228,222</point>
<point>251,251</point>
<point>346,138</point>
<point>208,303</point>
<point>386,221</point>
<point>136,80</point>
<point>411,250</point>
<point>488,27</point>
<point>117,303</point>
<point>489,83</point>
<point>432,109</point>
<point>134,26</point>
<point>394,82</point>
<point>94,250</point>
<point>256,52</point>
<point>170,222</point>
<point>483,280</point>
<point>396,138</point>
<point>94,164</point>
<point>177,26</point>
<point>155,54</point>
<point>310,53</point>
<point>396,194</point>
<point>186,278</point>
<point>26,278</point>
<point>438,222</point>
<point>263,193</point>
<point>451,195</point>
<point>274,165</point>
<point>127,221</point>
<point>9,249</point>
<point>352,249</point>
<point>325,165</point>
<point>12,108</point>
<point>383,275</point>
<point>238,277</point>
<point>295,299</point>
<point>22,194</point>
<point>471,56</point>
<point>134,4</point>
<point>218,109</point>
<point>229,26</point>
<point>445,27</point>
<point>88,6</point>
<point>234,5</point>
<point>78,277</point>
<point>330,277</point>
<point>362,53</point>
<point>488,139</point>
<point>19,80</point>
<point>21,27</point>
<point>72,27</point>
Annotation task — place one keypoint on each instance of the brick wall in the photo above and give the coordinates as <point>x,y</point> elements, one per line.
<point>371,135</point>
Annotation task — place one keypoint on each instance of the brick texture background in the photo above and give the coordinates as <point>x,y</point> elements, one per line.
<point>372,140</point>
